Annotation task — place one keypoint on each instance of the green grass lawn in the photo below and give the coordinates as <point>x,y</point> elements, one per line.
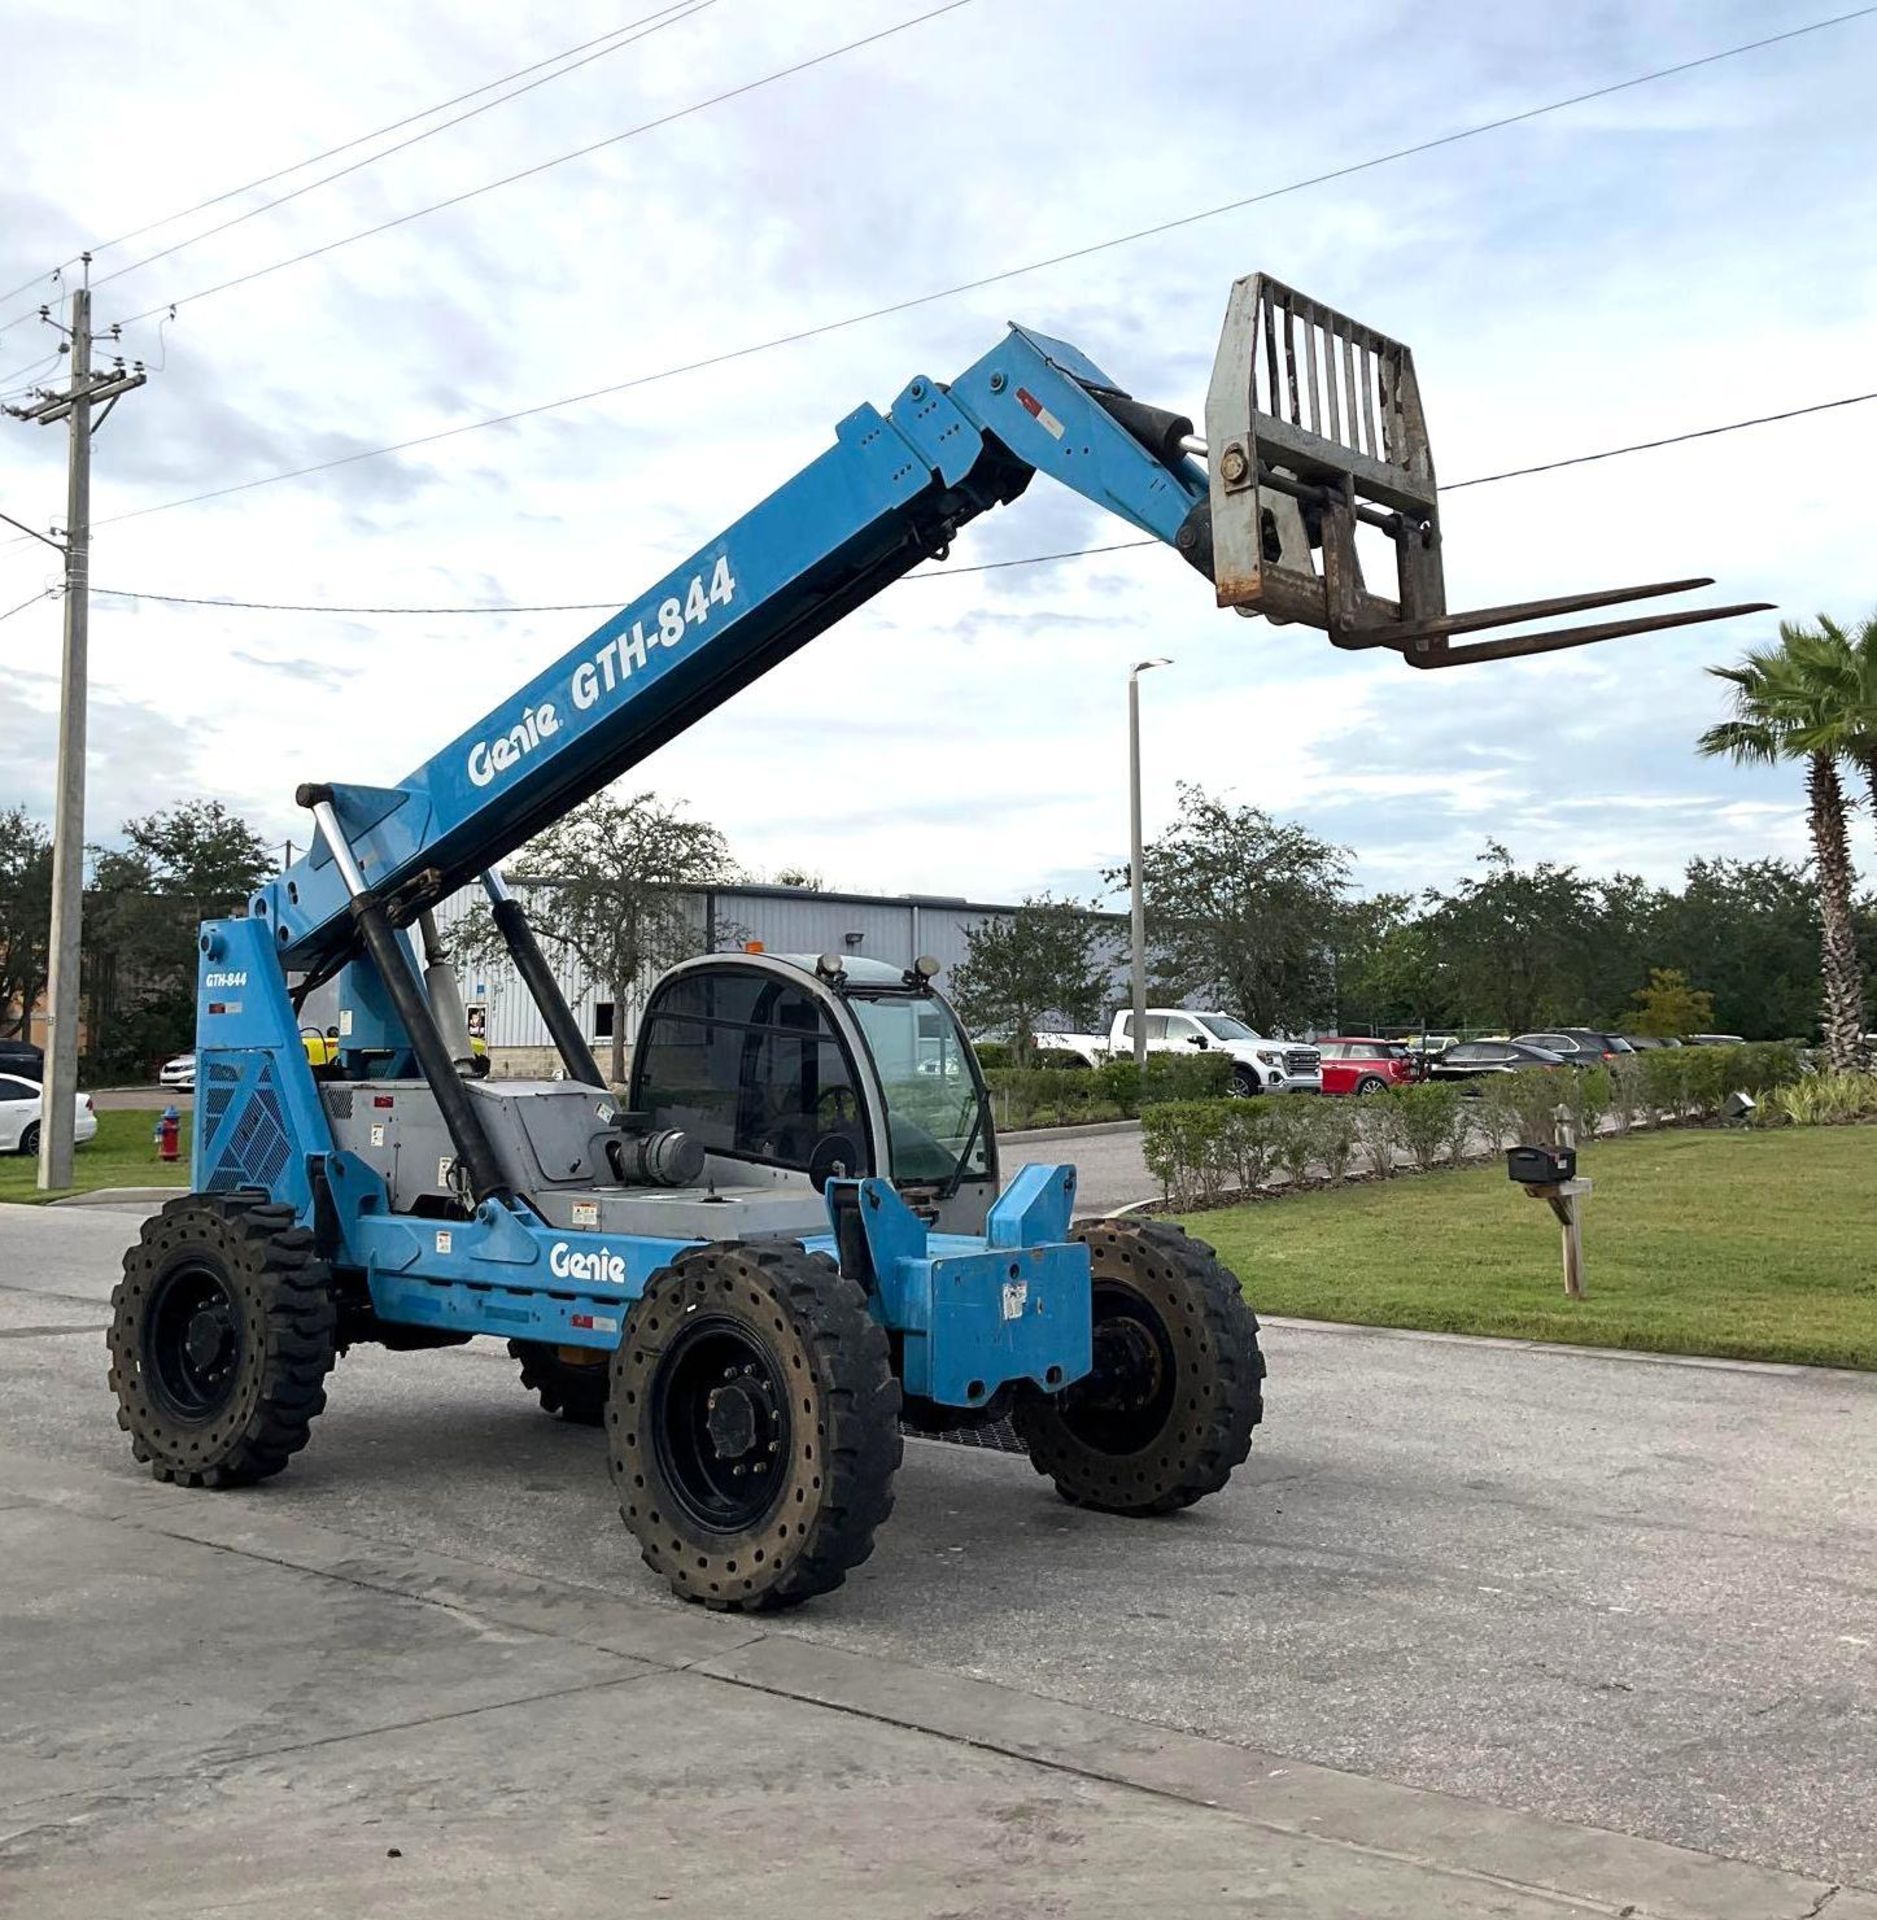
<point>122,1155</point>
<point>1750,1245</point>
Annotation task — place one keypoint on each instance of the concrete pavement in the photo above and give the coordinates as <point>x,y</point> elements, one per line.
<point>1462,1596</point>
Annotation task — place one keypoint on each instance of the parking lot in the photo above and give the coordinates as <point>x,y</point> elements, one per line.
<point>1473,1612</point>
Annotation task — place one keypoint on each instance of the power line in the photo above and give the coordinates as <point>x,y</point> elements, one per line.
<point>852,320</point>
<point>653,23</point>
<point>528,173</point>
<point>44,593</point>
<point>1671,440</point>
<point>991,566</point>
<point>345,146</point>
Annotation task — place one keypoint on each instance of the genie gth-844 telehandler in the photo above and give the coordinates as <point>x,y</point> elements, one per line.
<point>791,1230</point>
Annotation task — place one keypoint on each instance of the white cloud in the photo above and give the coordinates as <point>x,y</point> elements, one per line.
<point>1660,260</point>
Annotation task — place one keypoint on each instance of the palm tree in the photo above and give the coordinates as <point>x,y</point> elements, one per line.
<point>1791,703</point>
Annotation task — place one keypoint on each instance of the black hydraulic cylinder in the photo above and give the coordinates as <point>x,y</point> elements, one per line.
<point>538,977</point>
<point>474,1150</point>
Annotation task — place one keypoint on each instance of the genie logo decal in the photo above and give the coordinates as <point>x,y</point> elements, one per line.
<point>565,1262</point>
<point>487,759</point>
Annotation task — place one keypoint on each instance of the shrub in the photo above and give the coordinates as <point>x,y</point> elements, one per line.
<point>1626,1090</point>
<point>1335,1128</point>
<point>1427,1117</point>
<point>1120,1081</point>
<point>1665,1082</point>
<point>1708,1077</point>
<point>1290,1127</point>
<point>1250,1140</point>
<point>1378,1132</point>
<point>1184,1144</point>
<point>1184,1076</point>
<point>1589,1097</point>
<point>1532,1097</point>
<point>1822,1100</point>
<point>994,1053</point>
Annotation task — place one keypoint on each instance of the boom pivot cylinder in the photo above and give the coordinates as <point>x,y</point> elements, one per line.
<point>538,977</point>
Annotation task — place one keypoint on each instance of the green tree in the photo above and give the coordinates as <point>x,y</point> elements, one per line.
<point>1669,1007</point>
<point>1748,930</point>
<point>1517,941</point>
<point>1790,704</point>
<point>1242,909</point>
<point>184,864</point>
<point>1049,957</point>
<point>25,916</point>
<point>610,887</point>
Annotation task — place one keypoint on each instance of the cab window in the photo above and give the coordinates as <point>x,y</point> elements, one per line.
<point>748,1066</point>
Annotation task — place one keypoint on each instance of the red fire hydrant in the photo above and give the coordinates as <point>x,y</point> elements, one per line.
<point>169,1135</point>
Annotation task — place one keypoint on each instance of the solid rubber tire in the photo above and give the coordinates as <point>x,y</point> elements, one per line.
<point>1218,1397</point>
<point>282,1291</point>
<point>844,1405</point>
<point>577,1394</point>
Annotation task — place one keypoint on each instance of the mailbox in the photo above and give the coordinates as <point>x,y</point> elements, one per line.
<point>1541,1166</point>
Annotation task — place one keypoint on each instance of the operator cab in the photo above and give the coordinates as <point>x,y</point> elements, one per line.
<point>803,1068</point>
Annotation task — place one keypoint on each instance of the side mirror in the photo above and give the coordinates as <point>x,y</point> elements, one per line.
<point>1195,1039</point>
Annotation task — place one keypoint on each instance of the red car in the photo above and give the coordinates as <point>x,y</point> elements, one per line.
<point>1365,1066</point>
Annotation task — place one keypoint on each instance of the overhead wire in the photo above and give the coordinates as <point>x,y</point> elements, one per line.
<point>846,322</point>
<point>544,166</point>
<point>656,23</point>
<point>985,566</point>
<point>346,146</point>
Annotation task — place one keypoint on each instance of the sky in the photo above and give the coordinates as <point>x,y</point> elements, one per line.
<point>1665,258</point>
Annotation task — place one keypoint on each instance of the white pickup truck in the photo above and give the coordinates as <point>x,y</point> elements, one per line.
<point>1258,1065</point>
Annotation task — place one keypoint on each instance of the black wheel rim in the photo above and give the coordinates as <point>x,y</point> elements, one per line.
<point>193,1343</point>
<point>719,1412</point>
<point>1125,1401</point>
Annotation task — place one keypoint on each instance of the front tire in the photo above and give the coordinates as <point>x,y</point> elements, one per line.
<point>753,1426</point>
<point>222,1334</point>
<point>1177,1386</point>
<point>1245,1083</point>
<point>574,1389</point>
<point>1371,1083</point>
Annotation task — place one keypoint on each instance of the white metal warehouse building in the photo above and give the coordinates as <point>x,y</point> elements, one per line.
<point>895,928</point>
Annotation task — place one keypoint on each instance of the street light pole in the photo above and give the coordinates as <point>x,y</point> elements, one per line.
<point>1137,902</point>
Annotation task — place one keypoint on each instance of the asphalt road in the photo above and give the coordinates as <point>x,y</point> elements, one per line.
<point>1636,1596</point>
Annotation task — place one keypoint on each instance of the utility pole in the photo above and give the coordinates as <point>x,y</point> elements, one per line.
<point>82,392</point>
<point>1137,952</point>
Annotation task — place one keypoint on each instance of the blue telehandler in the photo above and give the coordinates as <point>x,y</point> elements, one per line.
<point>791,1230</point>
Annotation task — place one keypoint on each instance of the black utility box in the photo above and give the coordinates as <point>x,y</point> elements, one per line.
<point>1541,1166</point>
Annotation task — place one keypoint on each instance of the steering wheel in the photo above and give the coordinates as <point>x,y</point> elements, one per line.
<point>837,1107</point>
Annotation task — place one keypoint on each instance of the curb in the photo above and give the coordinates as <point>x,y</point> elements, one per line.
<point>119,1196</point>
<point>1093,1131</point>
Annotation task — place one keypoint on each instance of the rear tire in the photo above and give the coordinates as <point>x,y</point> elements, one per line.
<point>1177,1388</point>
<point>222,1335</point>
<point>575,1390</point>
<point>753,1428</point>
<point>29,1141</point>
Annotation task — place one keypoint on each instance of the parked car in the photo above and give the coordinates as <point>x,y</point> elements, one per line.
<point>1716,1040</point>
<point>1474,1060</point>
<point>23,1058</point>
<point>1258,1065</point>
<point>1365,1066</point>
<point>1577,1046</point>
<point>22,1106</point>
<point>178,1075</point>
<point>1650,1042</point>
